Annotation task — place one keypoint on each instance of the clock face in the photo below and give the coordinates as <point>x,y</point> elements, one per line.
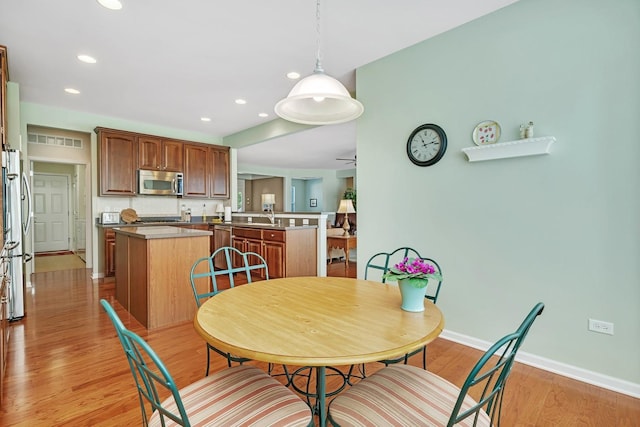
<point>426,145</point>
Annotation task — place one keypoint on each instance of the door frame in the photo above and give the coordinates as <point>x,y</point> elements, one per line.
<point>88,205</point>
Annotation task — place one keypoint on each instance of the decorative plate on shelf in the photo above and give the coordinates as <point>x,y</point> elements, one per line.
<point>487,132</point>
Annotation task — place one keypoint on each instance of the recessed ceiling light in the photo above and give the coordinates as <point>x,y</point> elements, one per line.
<point>111,4</point>
<point>240,101</point>
<point>72,90</point>
<point>263,115</point>
<point>205,119</point>
<point>88,59</point>
<point>293,75</point>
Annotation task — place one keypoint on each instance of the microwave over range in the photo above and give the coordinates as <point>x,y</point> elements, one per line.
<point>160,183</point>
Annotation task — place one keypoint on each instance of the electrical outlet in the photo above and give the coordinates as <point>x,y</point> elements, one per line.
<point>601,326</point>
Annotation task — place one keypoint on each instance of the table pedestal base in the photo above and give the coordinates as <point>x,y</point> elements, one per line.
<point>317,400</point>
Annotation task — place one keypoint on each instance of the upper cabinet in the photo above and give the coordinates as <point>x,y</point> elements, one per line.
<point>219,172</point>
<point>160,154</point>
<point>196,183</point>
<point>118,156</point>
<point>206,171</point>
<point>3,93</point>
<point>122,153</point>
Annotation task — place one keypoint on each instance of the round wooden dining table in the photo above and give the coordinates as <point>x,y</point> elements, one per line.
<point>316,321</point>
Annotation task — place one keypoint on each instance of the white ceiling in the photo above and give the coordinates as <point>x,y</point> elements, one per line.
<point>168,62</point>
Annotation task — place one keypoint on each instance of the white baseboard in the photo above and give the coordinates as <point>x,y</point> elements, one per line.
<point>589,377</point>
<point>95,275</point>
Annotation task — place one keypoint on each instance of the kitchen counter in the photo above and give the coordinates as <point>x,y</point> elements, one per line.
<point>265,226</point>
<point>160,232</point>
<point>303,222</point>
<point>177,224</point>
<point>152,271</point>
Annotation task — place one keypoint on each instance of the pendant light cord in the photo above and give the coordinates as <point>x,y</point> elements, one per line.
<point>318,56</point>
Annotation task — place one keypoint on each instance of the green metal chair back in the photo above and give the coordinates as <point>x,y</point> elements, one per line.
<point>377,266</point>
<point>489,374</point>
<point>380,263</point>
<point>151,376</point>
<point>249,262</point>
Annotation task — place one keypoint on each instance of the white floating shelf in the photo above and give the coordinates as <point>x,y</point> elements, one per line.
<point>504,150</point>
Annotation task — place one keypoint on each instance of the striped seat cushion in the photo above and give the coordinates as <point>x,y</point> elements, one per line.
<point>401,395</point>
<point>239,396</point>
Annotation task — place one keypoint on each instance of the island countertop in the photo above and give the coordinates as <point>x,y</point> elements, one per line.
<point>161,232</point>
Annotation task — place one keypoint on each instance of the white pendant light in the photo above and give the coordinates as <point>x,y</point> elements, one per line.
<point>319,99</point>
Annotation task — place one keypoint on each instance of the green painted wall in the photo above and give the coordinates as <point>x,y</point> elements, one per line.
<point>561,228</point>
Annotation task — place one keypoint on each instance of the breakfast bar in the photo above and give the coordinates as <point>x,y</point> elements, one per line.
<point>152,272</point>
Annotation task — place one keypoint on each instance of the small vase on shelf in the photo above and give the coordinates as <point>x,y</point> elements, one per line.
<point>412,296</point>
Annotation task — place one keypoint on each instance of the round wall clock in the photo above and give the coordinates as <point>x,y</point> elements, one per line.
<point>426,145</point>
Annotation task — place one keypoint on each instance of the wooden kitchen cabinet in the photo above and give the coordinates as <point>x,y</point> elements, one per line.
<point>4,77</point>
<point>109,252</point>
<point>196,182</point>
<point>206,171</point>
<point>118,160</point>
<point>274,251</point>
<point>218,172</point>
<point>160,154</point>
<point>247,240</point>
<point>205,166</point>
<point>152,277</point>
<point>288,253</point>
<point>222,238</point>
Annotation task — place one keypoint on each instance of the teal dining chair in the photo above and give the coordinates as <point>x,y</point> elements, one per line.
<point>235,396</point>
<point>409,396</point>
<point>378,265</point>
<point>247,264</point>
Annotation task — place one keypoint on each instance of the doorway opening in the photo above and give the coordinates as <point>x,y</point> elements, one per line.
<point>59,221</point>
<point>60,165</point>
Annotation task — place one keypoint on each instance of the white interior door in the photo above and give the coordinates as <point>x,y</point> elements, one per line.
<point>51,212</point>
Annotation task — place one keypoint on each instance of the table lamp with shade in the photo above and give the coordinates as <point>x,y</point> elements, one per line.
<point>346,207</point>
<point>220,211</point>
<point>270,200</point>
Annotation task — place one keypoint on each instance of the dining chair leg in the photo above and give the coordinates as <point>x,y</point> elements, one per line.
<point>206,374</point>
<point>351,374</point>
<point>424,358</point>
<point>289,377</point>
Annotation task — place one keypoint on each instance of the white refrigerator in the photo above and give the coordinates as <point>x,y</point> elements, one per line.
<point>16,207</point>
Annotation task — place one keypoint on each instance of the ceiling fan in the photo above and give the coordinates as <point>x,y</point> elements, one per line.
<point>349,160</point>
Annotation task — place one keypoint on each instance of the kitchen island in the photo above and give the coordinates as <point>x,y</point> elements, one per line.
<point>153,265</point>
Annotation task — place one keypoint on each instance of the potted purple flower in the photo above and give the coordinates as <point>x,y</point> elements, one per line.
<point>413,275</point>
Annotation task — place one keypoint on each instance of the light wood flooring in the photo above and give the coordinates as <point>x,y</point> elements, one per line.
<point>57,262</point>
<point>66,366</point>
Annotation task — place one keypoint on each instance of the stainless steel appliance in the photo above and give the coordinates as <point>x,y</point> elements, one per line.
<point>160,183</point>
<point>16,207</point>
<point>110,217</point>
